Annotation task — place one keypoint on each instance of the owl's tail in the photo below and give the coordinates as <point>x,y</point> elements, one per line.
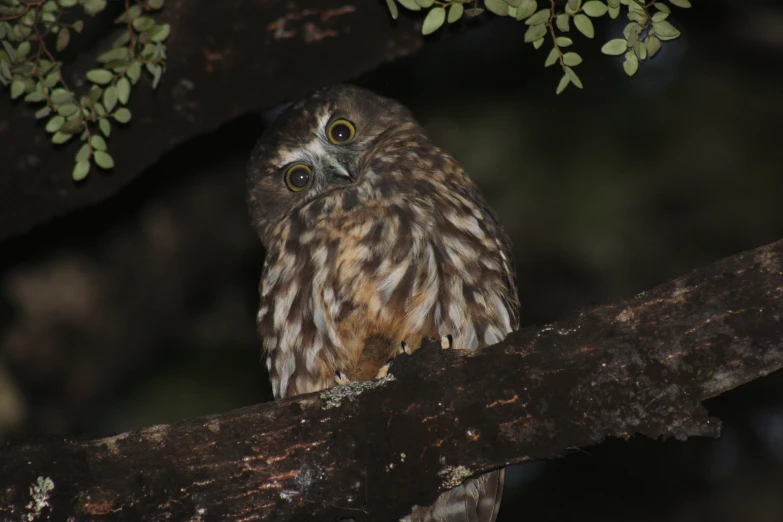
<point>475,500</point>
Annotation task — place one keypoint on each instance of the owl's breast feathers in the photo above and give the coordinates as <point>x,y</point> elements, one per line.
<point>405,253</point>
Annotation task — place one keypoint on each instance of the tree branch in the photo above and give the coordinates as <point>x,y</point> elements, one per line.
<point>224,60</point>
<point>369,450</point>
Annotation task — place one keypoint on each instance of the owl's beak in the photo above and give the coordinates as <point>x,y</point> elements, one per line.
<point>336,171</point>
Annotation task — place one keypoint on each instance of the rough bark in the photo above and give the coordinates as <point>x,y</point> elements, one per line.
<point>368,451</point>
<point>225,59</point>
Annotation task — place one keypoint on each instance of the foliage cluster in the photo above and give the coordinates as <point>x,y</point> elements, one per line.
<point>29,29</point>
<point>642,37</point>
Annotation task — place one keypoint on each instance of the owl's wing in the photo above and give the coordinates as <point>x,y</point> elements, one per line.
<point>492,221</point>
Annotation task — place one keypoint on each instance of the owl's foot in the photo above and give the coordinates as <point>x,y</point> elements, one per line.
<point>447,342</point>
<point>340,378</point>
<point>405,348</point>
<point>383,371</point>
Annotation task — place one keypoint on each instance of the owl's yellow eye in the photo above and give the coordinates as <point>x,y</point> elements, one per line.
<point>297,176</point>
<point>341,131</point>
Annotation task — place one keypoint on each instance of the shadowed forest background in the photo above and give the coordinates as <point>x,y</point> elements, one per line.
<point>141,310</point>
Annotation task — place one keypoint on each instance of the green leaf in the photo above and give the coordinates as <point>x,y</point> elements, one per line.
<point>663,8</point>
<point>564,81</point>
<point>392,7</point>
<point>473,11</point>
<point>539,18</point>
<point>103,159</point>
<point>51,79</point>
<point>122,115</point>
<point>433,20</point>
<point>97,142</point>
<point>572,59</point>
<point>614,12</point>
<point>155,4</point>
<point>63,38</point>
<point>59,96</point>
<point>410,5</point>
<point>43,112</point>
<point>80,170</point>
<point>35,96</point>
<point>72,125</point>
<point>526,8</point>
<point>640,50</point>
<point>109,98</point>
<point>67,3</point>
<point>563,22</point>
<point>455,13</point>
<point>595,8</point>
<point>23,49</point>
<point>17,89</point>
<point>665,30</point>
<point>639,17</point>
<point>653,45</point>
<point>161,32</point>
<point>67,109</point>
<point>538,43</point>
<point>631,63</point>
<point>157,70</point>
<point>564,41</point>
<point>145,23</point>
<point>573,5</point>
<point>93,7</point>
<point>552,57</point>
<point>54,124</point>
<point>426,4</point>
<point>9,49</point>
<point>95,93</point>
<point>499,7</point>
<point>585,26</point>
<point>134,72</point>
<point>61,137</point>
<point>85,153</point>
<point>78,26</point>
<point>105,126</point>
<point>681,3</point>
<point>615,47</point>
<point>660,16</point>
<point>513,3</point>
<point>118,53</point>
<point>123,90</point>
<point>100,76</point>
<point>574,78</point>
<point>535,32</point>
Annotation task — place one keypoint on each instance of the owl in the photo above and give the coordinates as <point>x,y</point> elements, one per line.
<point>375,239</point>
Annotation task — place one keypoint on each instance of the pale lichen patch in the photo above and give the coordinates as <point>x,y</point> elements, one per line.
<point>453,476</point>
<point>335,396</point>
<point>214,426</point>
<point>40,497</point>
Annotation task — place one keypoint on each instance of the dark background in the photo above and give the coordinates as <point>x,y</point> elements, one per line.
<point>141,310</point>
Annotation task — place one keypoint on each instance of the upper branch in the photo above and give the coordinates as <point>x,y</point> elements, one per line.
<point>225,59</point>
<point>369,450</point>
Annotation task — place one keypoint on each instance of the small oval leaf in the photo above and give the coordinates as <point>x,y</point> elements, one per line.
<point>433,20</point>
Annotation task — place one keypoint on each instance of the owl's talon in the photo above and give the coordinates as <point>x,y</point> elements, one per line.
<point>340,378</point>
<point>446,342</point>
<point>405,348</point>
<point>383,371</point>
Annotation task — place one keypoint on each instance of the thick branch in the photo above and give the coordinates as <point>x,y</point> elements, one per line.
<point>369,450</point>
<point>225,59</point>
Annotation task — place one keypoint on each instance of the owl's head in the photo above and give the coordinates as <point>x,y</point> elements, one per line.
<point>319,145</point>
